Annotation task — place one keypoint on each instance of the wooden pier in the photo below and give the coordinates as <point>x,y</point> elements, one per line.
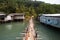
<point>30,32</point>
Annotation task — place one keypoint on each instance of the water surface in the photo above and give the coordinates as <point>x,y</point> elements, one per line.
<point>10,31</point>
<point>47,32</point>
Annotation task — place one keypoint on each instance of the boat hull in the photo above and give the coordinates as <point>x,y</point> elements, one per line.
<point>53,21</point>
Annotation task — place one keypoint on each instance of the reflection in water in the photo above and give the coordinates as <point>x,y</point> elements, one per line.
<point>10,31</point>
<point>47,32</point>
<point>9,27</point>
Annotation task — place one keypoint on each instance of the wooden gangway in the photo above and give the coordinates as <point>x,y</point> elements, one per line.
<point>30,31</point>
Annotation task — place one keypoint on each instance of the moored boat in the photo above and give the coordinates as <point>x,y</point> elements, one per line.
<point>50,19</point>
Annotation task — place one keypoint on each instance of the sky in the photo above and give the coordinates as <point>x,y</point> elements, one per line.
<point>51,1</point>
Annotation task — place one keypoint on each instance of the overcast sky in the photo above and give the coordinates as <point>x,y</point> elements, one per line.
<point>51,1</point>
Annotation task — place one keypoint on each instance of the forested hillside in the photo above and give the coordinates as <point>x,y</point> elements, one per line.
<point>28,7</point>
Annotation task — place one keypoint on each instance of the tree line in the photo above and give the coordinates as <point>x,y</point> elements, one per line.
<point>28,7</point>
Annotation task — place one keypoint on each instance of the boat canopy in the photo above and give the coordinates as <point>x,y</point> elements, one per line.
<point>50,14</point>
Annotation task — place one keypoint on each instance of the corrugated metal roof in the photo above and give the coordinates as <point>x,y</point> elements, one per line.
<point>2,13</point>
<point>51,14</point>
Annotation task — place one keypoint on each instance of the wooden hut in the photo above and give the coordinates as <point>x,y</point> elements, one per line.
<point>17,16</point>
<point>2,16</point>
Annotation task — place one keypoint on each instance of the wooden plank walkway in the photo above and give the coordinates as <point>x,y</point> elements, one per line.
<point>30,32</point>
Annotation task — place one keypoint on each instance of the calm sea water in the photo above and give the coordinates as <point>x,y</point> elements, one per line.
<point>10,31</point>
<point>47,32</point>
